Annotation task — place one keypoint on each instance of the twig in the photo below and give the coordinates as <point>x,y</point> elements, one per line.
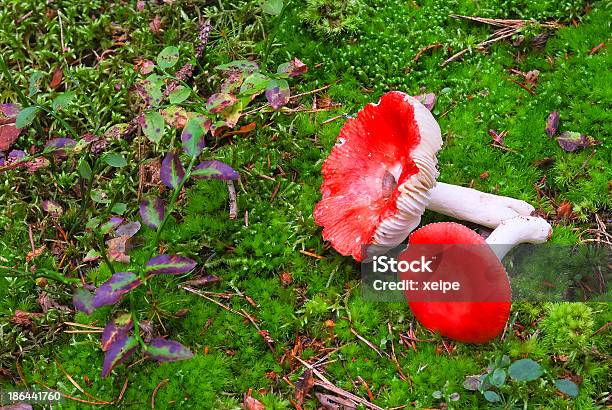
<point>125,384</point>
<point>523,86</point>
<point>332,119</point>
<point>71,397</point>
<point>365,384</point>
<point>395,361</point>
<point>160,384</point>
<point>367,342</point>
<point>82,325</point>
<point>75,384</point>
<point>263,334</point>
<point>426,48</point>
<point>233,204</point>
<point>314,255</point>
<point>229,309</point>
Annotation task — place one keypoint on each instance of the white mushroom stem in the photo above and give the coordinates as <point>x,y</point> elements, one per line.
<point>520,229</point>
<point>468,204</point>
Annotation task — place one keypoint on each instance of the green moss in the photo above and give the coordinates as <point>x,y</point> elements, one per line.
<point>280,166</point>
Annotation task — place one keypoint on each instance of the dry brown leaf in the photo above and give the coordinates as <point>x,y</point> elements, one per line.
<point>303,386</point>
<point>155,25</point>
<point>56,80</point>
<point>23,318</point>
<point>251,403</point>
<point>35,253</point>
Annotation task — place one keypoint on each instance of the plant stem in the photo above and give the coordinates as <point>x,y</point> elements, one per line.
<point>169,210</point>
<point>270,40</point>
<point>85,199</point>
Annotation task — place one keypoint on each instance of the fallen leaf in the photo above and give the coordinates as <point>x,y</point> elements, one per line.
<point>8,135</point>
<point>155,25</point>
<point>56,80</point>
<point>23,318</point>
<point>531,77</point>
<point>428,100</point>
<point>203,281</point>
<point>564,211</point>
<point>35,253</point>
<point>571,141</point>
<point>117,249</point>
<point>498,138</point>
<point>251,403</point>
<point>597,48</point>
<point>552,124</point>
<point>303,386</point>
<point>286,279</point>
<point>330,402</point>
<point>484,175</point>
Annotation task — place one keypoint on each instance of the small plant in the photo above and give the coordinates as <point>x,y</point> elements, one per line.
<point>446,396</point>
<point>567,327</point>
<point>496,384</point>
<point>331,18</point>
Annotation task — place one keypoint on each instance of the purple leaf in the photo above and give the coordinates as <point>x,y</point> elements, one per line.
<point>428,100</point>
<point>17,154</point>
<point>10,110</point>
<point>129,229</point>
<point>278,93</point>
<point>220,101</point>
<point>172,171</point>
<point>112,223</point>
<point>164,350</point>
<point>172,264</point>
<point>82,300</point>
<point>152,212</point>
<point>193,136</point>
<point>293,68</point>
<point>571,141</point>
<point>214,170</point>
<point>59,144</point>
<point>118,352</point>
<point>52,208</point>
<point>116,329</point>
<point>111,291</point>
<point>552,124</point>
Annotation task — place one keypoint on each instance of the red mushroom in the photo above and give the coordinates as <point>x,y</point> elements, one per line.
<point>381,176</point>
<point>377,178</point>
<point>477,312</point>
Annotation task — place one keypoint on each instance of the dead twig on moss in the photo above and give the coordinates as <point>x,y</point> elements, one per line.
<point>159,385</point>
<point>508,28</point>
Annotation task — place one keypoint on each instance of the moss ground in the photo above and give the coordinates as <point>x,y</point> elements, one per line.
<point>280,166</point>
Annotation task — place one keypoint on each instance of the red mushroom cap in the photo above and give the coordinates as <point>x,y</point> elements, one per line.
<point>480,311</point>
<point>377,178</point>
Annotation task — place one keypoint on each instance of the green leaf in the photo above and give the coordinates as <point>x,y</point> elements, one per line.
<point>26,116</point>
<point>168,57</point>
<point>85,170</point>
<point>119,208</point>
<point>567,387</point>
<point>62,100</point>
<point>525,370</point>
<point>179,95</point>
<point>491,396</point>
<point>274,7</point>
<point>99,197</point>
<point>498,377</point>
<point>193,137</point>
<point>115,160</point>
<point>35,80</point>
<point>254,84</point>
<point>153,127</point>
